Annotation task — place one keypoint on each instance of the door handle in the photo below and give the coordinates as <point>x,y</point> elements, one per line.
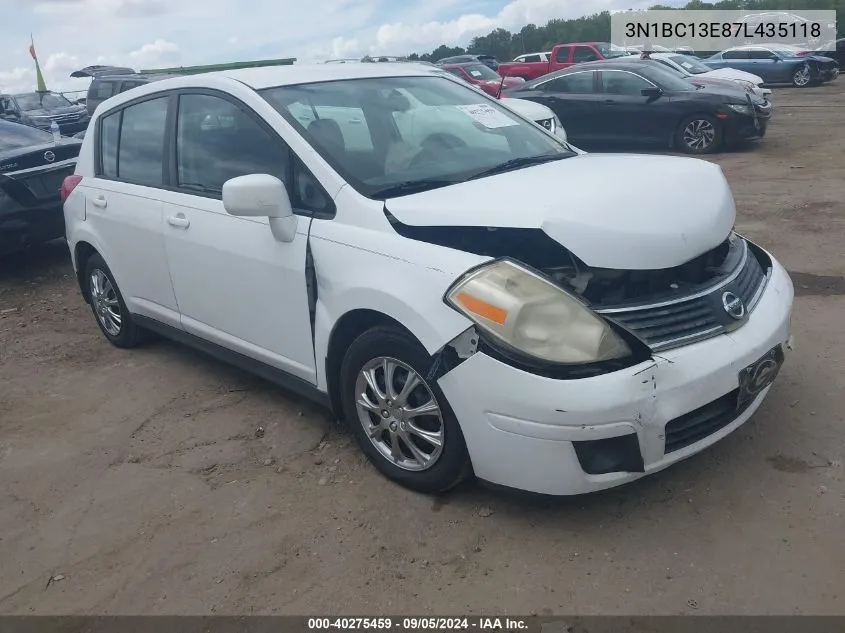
<point>609,101</point>
<point>100,201</point>
<point>179,221</point>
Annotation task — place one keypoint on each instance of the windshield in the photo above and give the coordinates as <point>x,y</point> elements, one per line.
<point>15,136</point>
<point>42,100</point>
<point>609,51</point>
<point>665,78</point>
<point>482,72</point>
<point>410,133</point>
<point>690,65</point>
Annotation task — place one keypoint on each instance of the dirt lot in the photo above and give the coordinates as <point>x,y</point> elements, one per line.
<point>139,481</point>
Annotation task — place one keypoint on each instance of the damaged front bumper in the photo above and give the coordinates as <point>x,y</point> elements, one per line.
<point>566,437</point>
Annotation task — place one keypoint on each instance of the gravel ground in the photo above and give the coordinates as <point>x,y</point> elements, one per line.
<point>158,481</point>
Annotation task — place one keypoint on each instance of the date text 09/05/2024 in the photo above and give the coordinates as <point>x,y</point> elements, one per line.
<point>418,624</point>
<point>715,30</point>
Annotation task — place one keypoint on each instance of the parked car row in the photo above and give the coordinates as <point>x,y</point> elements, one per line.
<point>384,238</point>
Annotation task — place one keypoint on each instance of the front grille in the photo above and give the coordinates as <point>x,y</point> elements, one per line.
<point>696,425</point>
<point>682,321</point>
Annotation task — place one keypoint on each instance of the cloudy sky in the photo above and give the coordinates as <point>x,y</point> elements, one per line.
<point>70,34</point>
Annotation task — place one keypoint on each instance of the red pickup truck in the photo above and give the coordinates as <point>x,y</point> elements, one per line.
<point>563,56</point>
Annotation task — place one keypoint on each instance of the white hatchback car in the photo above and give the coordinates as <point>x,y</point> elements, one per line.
<point>465,290</point>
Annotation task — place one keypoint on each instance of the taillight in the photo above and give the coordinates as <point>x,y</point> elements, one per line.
<point>68,185</point>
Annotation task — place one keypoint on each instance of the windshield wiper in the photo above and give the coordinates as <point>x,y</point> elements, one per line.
<point>518,163</point>
<point>411,186</point>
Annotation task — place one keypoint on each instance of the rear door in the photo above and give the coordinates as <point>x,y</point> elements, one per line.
<point>561,58</point>
<point>766,64</point>
<point>572,97</point>
<point>123,204</point>
<point>736,58</point>
<point>624,112</point>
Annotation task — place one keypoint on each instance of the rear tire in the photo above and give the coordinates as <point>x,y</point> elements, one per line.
<point>699,134</point>
<point>108,306</point>
<point>423,451</point>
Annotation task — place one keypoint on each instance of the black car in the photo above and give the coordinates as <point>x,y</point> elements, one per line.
<point>640,100</point>
<point>487,60</point>
<point>40,109</point>
<point>32,169</point>
<point>835,50</point>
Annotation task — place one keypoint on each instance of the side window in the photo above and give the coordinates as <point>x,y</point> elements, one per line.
<point>735,54</point>
<point>532,58</point>
<point>562,54</point>
<point>584,54</point>
<point>104,90</point>
<point>109,128</point>
<point>760,54</point>
<point>128,85</point>
<point>217,140</point>
<point>353,126</point>
<point>142,131</point>
<point>616,83</point>
<point>576,83</point>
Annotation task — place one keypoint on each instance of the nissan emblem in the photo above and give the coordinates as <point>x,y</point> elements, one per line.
<point>49,156</point>
<point>733,305</point>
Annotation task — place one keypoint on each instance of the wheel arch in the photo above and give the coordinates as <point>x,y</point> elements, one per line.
<point>82,252</point>
<point>348,327</point>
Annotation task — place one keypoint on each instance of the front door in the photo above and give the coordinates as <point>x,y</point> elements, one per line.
<point>236,285</point>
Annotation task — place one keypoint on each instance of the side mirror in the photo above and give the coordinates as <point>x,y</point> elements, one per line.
<point>261,195</point>
<point>651,93</point>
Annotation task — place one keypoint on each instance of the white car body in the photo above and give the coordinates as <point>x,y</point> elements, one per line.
<point>755,82</point>
<point>537,112</point>
<point>532,57</point>
<point>280,293</point>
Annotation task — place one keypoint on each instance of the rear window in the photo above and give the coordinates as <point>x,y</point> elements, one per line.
<point>16,136</point>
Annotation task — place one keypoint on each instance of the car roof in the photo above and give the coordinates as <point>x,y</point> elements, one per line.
<point>272,76</point>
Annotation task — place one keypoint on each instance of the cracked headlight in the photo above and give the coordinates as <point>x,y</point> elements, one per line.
<point>533,316</point>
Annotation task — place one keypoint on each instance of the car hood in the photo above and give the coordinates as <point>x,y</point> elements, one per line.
<point>622,211</point>
<point>733,74</point>
<point>72,109</point>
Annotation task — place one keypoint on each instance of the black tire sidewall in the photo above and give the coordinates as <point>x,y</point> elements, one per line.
<point>717,141</point>
<point>453,463</point>
<point>128,336</point>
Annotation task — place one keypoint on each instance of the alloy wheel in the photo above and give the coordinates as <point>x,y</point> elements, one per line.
<point>400,414</point>
<point>104,302</point>
<point>699,134</point>
<point>801,77</point>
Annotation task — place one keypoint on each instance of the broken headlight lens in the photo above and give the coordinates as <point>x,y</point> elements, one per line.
<point>534,316</point>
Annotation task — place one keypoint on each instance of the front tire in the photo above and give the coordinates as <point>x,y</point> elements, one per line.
<point>401,421</point>
<point>699,134</point>
<point>108,306</point>
<point>801,77</point>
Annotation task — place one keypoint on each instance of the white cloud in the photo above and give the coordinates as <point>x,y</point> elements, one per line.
<point>156,52</point>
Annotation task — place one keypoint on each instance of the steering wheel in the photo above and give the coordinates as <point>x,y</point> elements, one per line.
<point>434,144</point>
